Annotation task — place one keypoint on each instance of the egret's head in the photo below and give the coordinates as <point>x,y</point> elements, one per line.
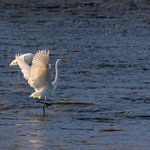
<point>61,60</point>
<point>14,63</point>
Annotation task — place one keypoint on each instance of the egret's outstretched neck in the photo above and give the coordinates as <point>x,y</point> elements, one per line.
<point>54,83</point>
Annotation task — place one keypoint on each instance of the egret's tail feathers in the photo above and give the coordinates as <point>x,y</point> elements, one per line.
<point>36,95</point>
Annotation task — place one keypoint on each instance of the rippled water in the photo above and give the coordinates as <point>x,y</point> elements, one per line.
<point>102,100</point>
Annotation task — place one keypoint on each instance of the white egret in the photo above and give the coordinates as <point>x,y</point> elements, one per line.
<point>38,75</point>
<point>28,57</point>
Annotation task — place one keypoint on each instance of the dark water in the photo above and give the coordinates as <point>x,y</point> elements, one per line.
<point>102,100</point>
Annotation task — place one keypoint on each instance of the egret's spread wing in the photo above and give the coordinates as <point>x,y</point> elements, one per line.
<point>40,77</point>
<point>25,68</point>
<point>28,57</point>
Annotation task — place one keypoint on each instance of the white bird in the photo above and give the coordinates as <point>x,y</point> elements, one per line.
<point>28,57</point>
<point>38,75</point>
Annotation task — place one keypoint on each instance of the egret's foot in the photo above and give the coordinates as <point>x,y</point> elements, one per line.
<point>49,104</point>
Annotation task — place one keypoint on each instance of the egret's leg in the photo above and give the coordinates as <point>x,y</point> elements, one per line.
<point>44,106</point>
<point>20,77</point>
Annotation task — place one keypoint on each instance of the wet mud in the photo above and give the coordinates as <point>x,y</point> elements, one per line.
<point>102,100</point>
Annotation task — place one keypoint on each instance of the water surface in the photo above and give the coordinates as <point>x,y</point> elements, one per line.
<point>102,100</point>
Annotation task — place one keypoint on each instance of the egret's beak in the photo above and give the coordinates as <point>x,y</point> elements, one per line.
<point>65,61</point>
<point>14,63</point>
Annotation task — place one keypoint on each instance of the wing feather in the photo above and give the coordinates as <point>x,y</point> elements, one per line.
<point>25,68</point>
<point>39,76</point>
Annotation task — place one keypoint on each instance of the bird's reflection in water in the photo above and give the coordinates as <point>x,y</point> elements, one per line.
<point>31,135</point>
<point>36,143</point>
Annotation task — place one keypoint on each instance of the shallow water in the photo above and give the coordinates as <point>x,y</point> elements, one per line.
<point>102,100</point>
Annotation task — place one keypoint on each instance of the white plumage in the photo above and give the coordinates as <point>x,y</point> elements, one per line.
<point>38,74</point>
<point>27,58</point>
